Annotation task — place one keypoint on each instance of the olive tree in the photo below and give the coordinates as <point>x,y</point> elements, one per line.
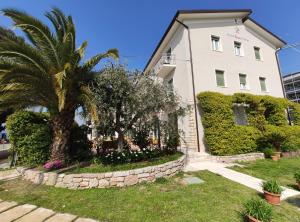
<point>129,101</point>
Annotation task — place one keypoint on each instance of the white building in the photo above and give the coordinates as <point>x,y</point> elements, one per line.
<point>216,50</point>
<point>291,84</point>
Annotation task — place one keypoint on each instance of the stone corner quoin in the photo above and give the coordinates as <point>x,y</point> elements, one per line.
<point>107,179</point>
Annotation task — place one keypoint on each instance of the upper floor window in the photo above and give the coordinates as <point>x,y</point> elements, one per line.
<point>263,84</point>
<point>215,41</point>
<point>243,81</point>
<point>220,78</point>
<point>257,53</point>
<point>238,48</point>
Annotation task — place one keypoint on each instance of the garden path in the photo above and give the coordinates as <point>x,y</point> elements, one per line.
<point>11,211</point>
<point>244,179</point>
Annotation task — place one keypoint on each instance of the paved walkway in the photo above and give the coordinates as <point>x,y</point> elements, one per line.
<point>11,211</point>
<point>246,180</point>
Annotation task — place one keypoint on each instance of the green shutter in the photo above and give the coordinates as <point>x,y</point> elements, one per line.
<point>257,53</point>
<point>220,78</point>
<point>263,84</point>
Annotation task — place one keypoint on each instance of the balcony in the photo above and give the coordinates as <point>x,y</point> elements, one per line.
<point>165,65</point>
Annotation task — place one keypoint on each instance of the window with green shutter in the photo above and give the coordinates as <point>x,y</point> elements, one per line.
<point>257,53</point>
<point>220,78</point>
<point>263,85</point>
<point>243,81</point>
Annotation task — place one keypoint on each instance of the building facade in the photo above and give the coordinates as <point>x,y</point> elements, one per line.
<point>223,51</point>
<point>291,84</point>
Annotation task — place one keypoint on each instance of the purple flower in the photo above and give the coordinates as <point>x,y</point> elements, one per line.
<point>56,164</point>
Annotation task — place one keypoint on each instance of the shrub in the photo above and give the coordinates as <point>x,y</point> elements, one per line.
<point>275,135</point>
<point>222,135</point>
<point>30,136</point>
<point>297,177</point>
<point>272,186</point>
<point>269,152</point>
<point>128,156</point>
<point>80,146</point>
<point>259,209</point>
<point>267,123</point>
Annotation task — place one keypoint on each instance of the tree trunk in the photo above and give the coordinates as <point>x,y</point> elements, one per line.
<point>61,127</point>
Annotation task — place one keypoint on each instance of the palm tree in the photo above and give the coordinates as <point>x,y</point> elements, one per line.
<point>45,69</point>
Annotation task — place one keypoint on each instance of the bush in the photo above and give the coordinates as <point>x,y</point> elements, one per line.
<point>272,186</point>
<point>267,123</point>
<point>222,135</point>
<point>128,156</point>
<point>259,209</point>
<point>30,136</point>
<point>80,146</point>
<point>269,152</point>
<point>297,177</point>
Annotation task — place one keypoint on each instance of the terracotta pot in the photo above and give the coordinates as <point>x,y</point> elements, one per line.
<point>252,219</point>
<point>275,158</point>
<point>272,198</point>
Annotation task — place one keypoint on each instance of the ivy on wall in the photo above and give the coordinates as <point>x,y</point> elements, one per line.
<point>224,137</point>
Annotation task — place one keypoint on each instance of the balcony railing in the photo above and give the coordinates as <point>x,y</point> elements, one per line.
<point>165,65</point>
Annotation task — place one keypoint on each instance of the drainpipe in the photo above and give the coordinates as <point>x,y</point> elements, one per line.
<point>279,69</point>
<point>193,81</point>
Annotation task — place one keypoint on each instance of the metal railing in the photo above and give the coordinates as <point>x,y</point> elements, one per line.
<point>166,59</point>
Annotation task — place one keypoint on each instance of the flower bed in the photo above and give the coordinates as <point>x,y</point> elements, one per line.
<point>104,180</point>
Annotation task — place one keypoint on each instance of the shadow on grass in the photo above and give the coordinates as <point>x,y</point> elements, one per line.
<point>294,201</point>
<point>293,186</point>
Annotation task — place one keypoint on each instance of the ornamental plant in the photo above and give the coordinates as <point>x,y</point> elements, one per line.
<point>272,186</point>
<point>53,165</point>
<point>297,177</point>
<point>258,209</point>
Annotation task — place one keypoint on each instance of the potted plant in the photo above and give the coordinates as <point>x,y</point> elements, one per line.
<point>275,136</point>
<point>272,191</point>
<point>297,177</point>
<point>257,210</point>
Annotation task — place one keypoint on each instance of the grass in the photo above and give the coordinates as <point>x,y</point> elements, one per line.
<point>100,168</point>
<point>217,200</point>
<point>283,170</point>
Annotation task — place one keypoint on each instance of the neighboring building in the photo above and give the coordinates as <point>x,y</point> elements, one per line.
<point>292,86</point>
<point>215,50</point>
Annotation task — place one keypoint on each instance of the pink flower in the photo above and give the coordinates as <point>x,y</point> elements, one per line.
<point>56,164</point>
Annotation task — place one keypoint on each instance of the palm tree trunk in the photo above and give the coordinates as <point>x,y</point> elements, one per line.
<point>61,127</point>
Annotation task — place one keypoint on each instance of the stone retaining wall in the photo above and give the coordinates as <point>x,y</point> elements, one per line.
<point>240,158</point>
<point>291,154</point>
<point>104,180</point>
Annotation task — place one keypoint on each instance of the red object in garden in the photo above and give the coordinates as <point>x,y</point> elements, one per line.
<point>272,198</point>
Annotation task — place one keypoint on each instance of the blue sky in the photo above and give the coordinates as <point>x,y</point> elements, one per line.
<point>136,26</point>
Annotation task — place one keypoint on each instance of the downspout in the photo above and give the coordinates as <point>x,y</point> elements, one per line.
<point>279,69</point>
<point>193,82</point>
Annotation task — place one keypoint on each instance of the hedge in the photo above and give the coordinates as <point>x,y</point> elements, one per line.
<point>30,136</point>
<point>224,137</point>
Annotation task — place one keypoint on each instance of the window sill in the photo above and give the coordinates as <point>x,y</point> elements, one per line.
<point>259,60</point>
<point>247,89</point>
<point>222,86</point>
<point>217,50</point>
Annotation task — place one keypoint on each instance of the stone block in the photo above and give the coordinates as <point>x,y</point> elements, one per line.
<point>77,180</point>
<point>84,184</point>
<point>143,175</point>
<point>117,179</point>
<point>103,183</point>
<point>93,183</point>
<point>120,174</point>
<point>131,180</point>
<point>68,179</point>
<point>108,175</point>
<point>52,177</point>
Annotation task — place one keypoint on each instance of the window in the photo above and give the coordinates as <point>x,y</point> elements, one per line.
<point>243,81</point>
<point>215,41</point>
<point>220,78</point>
<point>257,53</point>
<point>263,85</point>
<point>240,115</point>
<point>237,48</point>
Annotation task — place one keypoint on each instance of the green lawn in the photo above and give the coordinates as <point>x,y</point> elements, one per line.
<point>100,168</point>
<point>283,170</point>
<point>217,200</point>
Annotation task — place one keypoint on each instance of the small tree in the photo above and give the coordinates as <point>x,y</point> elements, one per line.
<point>127,101</point>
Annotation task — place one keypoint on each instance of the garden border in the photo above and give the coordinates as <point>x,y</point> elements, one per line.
<point>107,179</point>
